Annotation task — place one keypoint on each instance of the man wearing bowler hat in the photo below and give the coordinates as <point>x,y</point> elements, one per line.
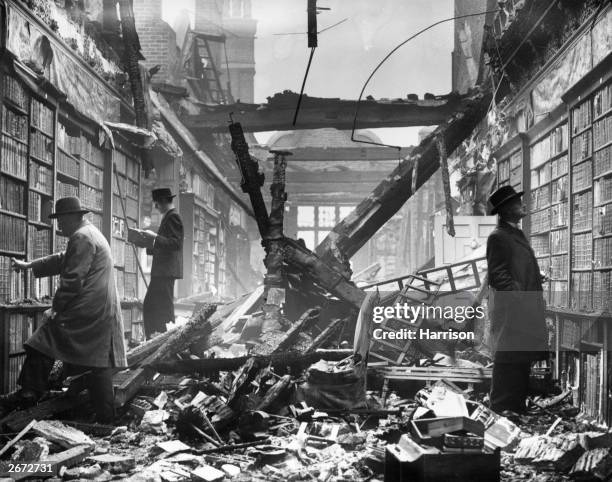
<point>84,327</point>
<point>516,305</point>
<point>166,246</point>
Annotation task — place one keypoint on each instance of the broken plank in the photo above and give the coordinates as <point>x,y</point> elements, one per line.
<point>129,385</point>
<point>274,393</point>
<point>326,334</point>
<point>12,442</point>
<point>308,317</point>
<point>15,421</point>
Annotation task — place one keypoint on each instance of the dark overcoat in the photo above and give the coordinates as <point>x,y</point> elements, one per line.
<point>167,249</point>
<point>87,329</point>
<point>516,304</point>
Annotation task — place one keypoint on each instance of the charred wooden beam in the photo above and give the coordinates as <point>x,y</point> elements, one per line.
<point>316,113</point>
<point>252,178</point>
<point>391,194</point>
<point>321,273</point>
<point>274,293</point>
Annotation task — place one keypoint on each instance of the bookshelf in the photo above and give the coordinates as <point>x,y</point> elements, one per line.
<point>17,323</point>
<point>548,206</point>
<point>602,197</point>
<point>581,221</point>
<point>27,159</point>
<point>126,195</point>
<point>202,232</point>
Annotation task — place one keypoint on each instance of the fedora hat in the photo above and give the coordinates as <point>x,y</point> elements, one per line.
<point>68,205</point>
<point>162,193</point>
<point>502,196</point>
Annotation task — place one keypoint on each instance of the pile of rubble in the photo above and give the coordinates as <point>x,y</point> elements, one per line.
<point>200,404</point>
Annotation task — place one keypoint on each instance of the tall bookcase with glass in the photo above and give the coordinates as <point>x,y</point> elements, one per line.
<point>549,234</point>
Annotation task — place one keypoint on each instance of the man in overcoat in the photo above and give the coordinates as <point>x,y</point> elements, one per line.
<point>516,304</point>
<point>166,246</point>
<point>84,328</point>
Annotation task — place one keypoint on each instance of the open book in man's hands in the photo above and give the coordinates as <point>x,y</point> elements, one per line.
<point>138,237</point>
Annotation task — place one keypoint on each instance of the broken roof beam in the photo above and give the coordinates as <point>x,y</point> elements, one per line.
<point>391,194</point>
<point>315,113</point>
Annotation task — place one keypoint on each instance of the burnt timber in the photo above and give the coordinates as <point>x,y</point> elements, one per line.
<point>316,112</point>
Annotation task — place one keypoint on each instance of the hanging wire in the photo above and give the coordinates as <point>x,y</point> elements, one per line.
<point>297,108</point>
<point>387,57</point>
<point>319,32</point>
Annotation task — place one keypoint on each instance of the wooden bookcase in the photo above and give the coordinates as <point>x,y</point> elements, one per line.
<point>46,153</point>
<point>202,232</point>
<point>548,203</point>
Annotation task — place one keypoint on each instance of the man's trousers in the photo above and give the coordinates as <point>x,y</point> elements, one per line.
<point>35,373</point>
<point>509,386</point>
<point>158,305</point>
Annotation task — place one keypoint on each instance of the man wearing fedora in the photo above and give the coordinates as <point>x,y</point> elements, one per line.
<point>166,246</point>
<point>84,327</point>
<point>516,305</point>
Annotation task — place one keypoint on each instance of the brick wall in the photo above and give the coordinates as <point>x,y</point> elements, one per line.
<point>157,38</point>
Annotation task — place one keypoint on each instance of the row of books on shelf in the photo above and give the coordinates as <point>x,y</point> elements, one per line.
<point>602,220</point>
<point>581,291</point>
<point>21,327</point>
<point>602,101</point>
<point>602,131</point>
<point>12,283</point>
<point>41,147</point>
<point>559,266</point>
<point>602,290</point>
<point>91,198</point>
<point>603,252</point>
<point>42,117</point>
<point>66,189</point>
<point>582,251</point>
<point>41,178</point>
<point>541,244</point>
<point>553,144</point>
<point>559,241</point>
<point>582,211</point>
<point>582,146</point>
<point>39,242</point>
<point>14,158</point>
<point>92,175</point>
<point>581,117</point>
<point>15,363</point>
<point>127,284</point>
<point>15,124</point>
<point>582,176</point>
<point>592,397</point>
<point>15,91</point>
<point>13,233</point>
<point>67,164</point>
<point>12,195</point>
<point>40,288</point>
<point>603,161</point>
<point>602,191</point>
<point>39,208</point>
<point>126,165</point>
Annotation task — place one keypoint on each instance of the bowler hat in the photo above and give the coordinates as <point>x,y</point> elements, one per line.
<point>162,194</point>
<point>68,205</point>
<point>502,196</point>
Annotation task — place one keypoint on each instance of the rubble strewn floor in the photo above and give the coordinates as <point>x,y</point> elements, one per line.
<point>186,433</point>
